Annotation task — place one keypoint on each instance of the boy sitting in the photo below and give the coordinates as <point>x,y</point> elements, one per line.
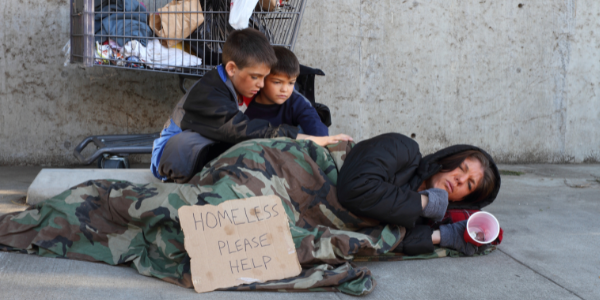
<point>278,102</point>
<point>210,112</point>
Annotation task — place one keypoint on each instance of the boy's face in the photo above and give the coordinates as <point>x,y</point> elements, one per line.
<point>249,80</point>
<point>278,88</point>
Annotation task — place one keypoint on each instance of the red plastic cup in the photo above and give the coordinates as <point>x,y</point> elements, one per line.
<point>483,224</point>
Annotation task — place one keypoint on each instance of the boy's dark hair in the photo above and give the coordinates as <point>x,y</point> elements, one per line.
<point>287,63</point>
<point>248,47</point>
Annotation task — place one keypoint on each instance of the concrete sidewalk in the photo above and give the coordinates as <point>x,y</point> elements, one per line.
<point>550,215</point>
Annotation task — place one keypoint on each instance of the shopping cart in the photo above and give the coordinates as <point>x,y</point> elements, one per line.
<point>147,35</point>
<point>139,35</point>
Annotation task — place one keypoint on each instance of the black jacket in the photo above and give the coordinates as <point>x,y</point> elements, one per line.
<point>380,178</point>
<point>211,109</point>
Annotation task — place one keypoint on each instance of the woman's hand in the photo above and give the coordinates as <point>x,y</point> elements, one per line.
<point>451,236</point>
<point>325,140</point>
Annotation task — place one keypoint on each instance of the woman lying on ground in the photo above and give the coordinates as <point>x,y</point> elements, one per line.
<point>118,222</point>
<point>385,178</point>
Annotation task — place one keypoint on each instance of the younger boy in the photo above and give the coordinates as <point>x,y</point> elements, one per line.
<point>278,102</point>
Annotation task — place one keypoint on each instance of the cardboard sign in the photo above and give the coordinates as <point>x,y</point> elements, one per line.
<point>238,242</point>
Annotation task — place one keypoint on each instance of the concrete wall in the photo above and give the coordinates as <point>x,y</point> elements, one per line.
<point>519,78</point>
<point>47,109</point>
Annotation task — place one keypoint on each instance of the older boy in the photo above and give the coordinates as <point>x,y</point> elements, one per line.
<point>278,103</point>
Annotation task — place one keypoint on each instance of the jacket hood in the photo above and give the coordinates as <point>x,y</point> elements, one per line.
<point>429,166</point>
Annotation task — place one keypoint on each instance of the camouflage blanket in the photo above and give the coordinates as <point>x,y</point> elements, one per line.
<point>118,222</point>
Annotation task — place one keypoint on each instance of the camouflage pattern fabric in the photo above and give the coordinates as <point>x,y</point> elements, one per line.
<point>118,222</point>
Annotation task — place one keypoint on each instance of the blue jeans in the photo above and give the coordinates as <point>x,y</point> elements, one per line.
<point>159,146</point>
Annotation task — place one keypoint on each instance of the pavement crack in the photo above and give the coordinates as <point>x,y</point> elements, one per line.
<point>536,272</point>
<point>577,186</point>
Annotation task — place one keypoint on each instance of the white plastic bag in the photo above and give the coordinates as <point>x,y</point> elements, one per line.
<point>161,57</point>
<point>157,56</point>
<point>240,13</point>
<point>135,48</point>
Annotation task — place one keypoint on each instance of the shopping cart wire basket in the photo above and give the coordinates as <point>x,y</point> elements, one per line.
<point>170,36</point>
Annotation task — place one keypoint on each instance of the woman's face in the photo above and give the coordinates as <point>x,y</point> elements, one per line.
<point>461,181</point>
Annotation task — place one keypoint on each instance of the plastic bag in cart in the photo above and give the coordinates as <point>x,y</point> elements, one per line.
<point>215,27</point>
<point>240,13</point>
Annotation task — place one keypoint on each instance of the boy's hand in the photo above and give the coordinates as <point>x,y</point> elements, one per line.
<point>325,140</point>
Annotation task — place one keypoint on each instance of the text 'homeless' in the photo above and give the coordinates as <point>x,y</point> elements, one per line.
<point>211,220</point>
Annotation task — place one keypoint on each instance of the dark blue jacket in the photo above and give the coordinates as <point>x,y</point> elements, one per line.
<point>296,111</point>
